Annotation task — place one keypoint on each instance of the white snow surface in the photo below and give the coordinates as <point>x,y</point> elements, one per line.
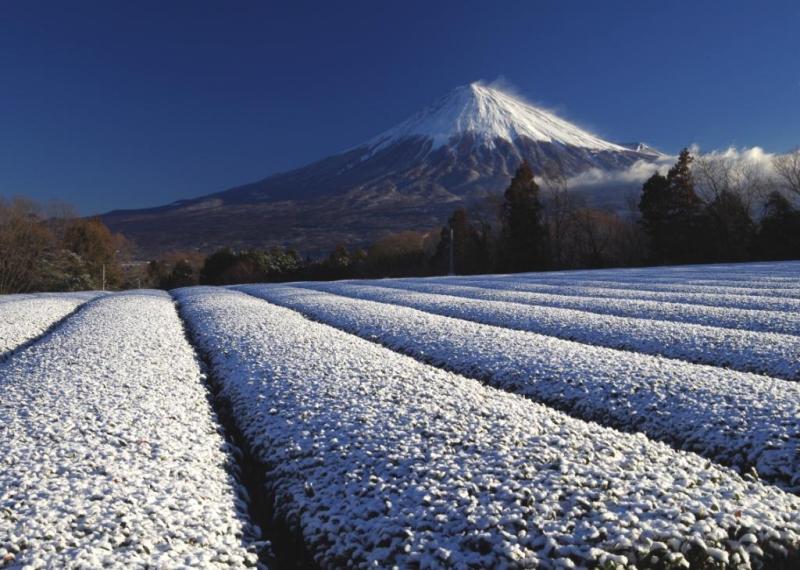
<point>381,459</point>
<point>738,419</point>
<point>763,352</point>
<point>110,454</point>
<point>755,320</point>
<point>24,317</point>
<point>599,291</point>
<point>778,279</point>
<point>488,114</point>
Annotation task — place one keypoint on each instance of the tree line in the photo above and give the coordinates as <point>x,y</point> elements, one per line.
<point>702,210</point>
<point>53,249</point>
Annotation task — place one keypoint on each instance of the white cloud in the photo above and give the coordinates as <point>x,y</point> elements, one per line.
<point>638,172</point>
<point>752,158</point>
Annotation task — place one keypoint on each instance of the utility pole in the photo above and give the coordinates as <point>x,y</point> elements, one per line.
<point>104,277</point>
<point>452,262</point>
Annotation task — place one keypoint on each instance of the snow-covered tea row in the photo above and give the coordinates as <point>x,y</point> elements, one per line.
<point>754,320</point>
<point>710,299</point>
<point>377,458</point>
<point>109,452</point>
<point>25,317</point>
<point>760,272</point>
<point>757,284</point>
<point>734,418</point>
<point>675,287</point>
<point>769,353</point>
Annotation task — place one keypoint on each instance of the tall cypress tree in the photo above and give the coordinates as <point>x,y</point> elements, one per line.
<point>523,240</point>
<point>654,207</point>
<point>672,213</point>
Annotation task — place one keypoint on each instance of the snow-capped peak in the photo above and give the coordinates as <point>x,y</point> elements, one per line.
<point>489,114</point>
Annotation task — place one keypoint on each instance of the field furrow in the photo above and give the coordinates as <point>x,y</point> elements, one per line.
<point>734,418</point>
<point>23,318</point>
<point>769,353</point>
<point>379,459</point>
<point>703,299</point>
<point>762,272</point>
<point>746,319</point>
<point>110,455</point>
<point>675,286</point>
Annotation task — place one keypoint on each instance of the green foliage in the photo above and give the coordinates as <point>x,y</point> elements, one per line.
<point>225,267</point>
<point>523,239</point>
<point>672,213</point>
<point>729,230</point>
<point>471,246</point>
<point>778,236</point>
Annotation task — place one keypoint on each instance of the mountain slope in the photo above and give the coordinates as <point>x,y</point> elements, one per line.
<point>462,148</point>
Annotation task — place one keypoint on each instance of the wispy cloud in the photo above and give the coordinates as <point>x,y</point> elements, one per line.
<point>638,172</point>
<point>754,157</point>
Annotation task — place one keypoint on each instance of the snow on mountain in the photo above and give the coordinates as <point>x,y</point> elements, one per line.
<point>643,148</point>
<point>489,114</point>
<point>460,150</point>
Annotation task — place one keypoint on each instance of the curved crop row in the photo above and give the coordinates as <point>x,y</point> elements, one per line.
<point>756,272</point>
<point>680,287</point>
<point>25,317</point>
<point>769,353</point>
<point>754,320</point>
<point>580,290</point>
<point>110,455</point>
<point>379,459</point>
<point>734,418</point>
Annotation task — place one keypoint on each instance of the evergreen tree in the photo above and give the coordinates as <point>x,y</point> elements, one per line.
<point>728,231</point>
<point>182,275</point>
<point>216,266</point>
<point>523,239</point>
<point>654,207</point>
<point>470,246</point>
<point>671,213</point>
<point>778,235</point>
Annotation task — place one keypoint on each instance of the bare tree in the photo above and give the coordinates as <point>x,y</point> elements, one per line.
<point>787,167</point>
<point>717,176</point>
<point>560,210</point>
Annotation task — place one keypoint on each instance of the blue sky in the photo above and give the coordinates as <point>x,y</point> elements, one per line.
<point>113,104</point>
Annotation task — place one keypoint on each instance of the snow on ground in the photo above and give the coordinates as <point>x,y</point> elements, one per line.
<point>23,317</point>
<point>768,271</point>
<point>109,452</point>
<point>747,319</point>
<point>731,417</point>
<point>774,354</point>
<point>735,301</point>
<point>377,457</point>
<point>678,286</point>
<point>780,279</point>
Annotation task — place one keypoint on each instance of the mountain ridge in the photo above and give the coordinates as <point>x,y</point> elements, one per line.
<point>460,149</point>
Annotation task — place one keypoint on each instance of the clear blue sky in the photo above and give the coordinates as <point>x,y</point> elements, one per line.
<point>111,104</point>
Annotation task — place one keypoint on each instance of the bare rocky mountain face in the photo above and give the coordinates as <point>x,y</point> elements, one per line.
<point>460,150</point>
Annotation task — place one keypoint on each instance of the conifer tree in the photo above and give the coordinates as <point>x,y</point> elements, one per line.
<point>728,229</point>
<point>672,213</point>
<point>470,247</point>
<point>523,241</point>
<point>779,231</point>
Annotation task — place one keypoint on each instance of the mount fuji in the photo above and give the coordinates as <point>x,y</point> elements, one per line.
<point>463,148</point>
